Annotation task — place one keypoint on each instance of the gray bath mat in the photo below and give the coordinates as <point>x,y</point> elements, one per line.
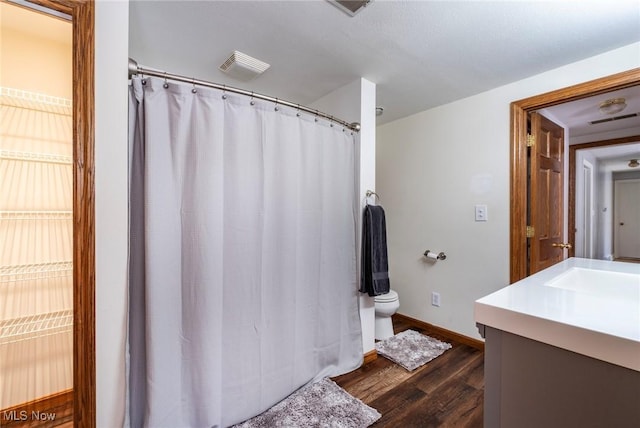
<point>411,349</point>
<point>321,405</point>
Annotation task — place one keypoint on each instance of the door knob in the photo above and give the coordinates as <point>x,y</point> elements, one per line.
<point>561,245</point>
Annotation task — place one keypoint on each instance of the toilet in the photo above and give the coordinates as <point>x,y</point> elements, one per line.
<point>386,305</point>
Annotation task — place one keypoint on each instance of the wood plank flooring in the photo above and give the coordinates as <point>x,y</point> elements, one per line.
<point>446,392</point>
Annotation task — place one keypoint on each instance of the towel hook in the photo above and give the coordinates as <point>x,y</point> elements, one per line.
<point>371,193</point>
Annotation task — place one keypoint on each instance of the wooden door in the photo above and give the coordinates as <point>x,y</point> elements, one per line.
<point>546,194</point>
<point>627,219</point>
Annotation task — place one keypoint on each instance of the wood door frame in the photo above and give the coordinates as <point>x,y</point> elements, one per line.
<point>518,154</point>
<point>572,177</point>
<point>82,13</point>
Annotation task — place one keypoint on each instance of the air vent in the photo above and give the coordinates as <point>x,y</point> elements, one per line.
<point>610,119</point>
<point>350,7</point>
<point>243,67</point>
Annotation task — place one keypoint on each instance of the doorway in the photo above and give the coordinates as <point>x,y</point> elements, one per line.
<point>627,220</point>
<point>36,266</point>
<point>519,204</point>
<point>612,157</point>
<point>83,222</point>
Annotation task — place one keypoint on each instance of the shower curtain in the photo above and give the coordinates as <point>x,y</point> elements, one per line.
<point>243,282</point>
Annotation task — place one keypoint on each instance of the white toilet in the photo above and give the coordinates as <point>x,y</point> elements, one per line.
<point>386,305</point>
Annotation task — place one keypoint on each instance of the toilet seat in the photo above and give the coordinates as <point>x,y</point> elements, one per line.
<point>391,296</point>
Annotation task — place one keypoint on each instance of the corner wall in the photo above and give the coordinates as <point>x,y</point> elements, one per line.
<point>433,167</point>
<point>111,195</point>
<point>356,102</point>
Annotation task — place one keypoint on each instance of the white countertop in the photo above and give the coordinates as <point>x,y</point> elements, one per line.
<point>601,322</point>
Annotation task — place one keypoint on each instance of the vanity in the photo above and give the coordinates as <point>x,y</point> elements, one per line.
<point>562,347</point>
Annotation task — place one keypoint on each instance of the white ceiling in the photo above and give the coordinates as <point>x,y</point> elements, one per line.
<point>420,54</point>
<point>616,158</point>
<point>576,115</point>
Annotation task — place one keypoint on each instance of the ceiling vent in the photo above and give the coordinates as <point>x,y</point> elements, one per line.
<point>243,67</point>
<point>350,7</point>
<point>611,119</point>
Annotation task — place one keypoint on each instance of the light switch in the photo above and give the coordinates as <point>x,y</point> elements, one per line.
<point>481,213</point>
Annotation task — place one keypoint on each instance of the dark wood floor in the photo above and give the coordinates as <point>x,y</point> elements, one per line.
<point>446,392</point>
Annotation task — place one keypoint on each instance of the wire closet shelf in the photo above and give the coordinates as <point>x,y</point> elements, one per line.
<point>53,275</point>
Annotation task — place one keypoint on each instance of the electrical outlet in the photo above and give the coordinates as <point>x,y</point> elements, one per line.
<point>435,299</point>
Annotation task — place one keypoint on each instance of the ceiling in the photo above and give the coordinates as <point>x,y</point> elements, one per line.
<point>616,158</point>
<point>578,115</point>
<point>420,54</point>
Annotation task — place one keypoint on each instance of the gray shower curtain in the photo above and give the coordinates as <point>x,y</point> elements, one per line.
<point>243,282</point>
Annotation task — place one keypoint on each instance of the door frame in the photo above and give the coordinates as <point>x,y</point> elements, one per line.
<point>82,13</point>
<point>518,155</point>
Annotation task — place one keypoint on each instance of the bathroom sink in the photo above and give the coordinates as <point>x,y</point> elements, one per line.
<point>590,307</point>
<point>613,284</point>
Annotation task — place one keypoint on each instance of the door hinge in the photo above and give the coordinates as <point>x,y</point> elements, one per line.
<point>531,231</point>
<point>531,140</point>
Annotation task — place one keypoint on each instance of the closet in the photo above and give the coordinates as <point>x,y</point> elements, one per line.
<point>36,214</point>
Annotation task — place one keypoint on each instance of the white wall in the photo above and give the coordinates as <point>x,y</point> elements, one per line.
<point>433,167</point>
<point>356,102</point>
<point>111,193</point>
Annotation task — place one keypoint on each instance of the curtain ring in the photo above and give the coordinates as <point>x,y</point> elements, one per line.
<point>331,120</point>
<point>224,90</point>
<point>252,102</point>
<point>316,119</point>
<point>298,112</point>
<point>166,85</point>
<point>142,79</point>
<point>193,81</point>
<point>276,107</point>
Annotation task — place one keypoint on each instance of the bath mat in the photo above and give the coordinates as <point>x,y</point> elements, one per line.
<point>411,349</point>
<point>322,405</point>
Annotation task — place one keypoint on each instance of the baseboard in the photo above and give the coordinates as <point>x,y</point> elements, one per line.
<point>370,356</point>
<point>461,338</point>
<point>55,408</point>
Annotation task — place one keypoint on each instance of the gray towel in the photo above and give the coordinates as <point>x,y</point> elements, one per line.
<point>374,279</point>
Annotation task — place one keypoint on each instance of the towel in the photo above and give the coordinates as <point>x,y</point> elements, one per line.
<point>374,279</point>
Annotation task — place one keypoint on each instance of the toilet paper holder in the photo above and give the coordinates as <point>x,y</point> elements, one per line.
<point>435,256</point>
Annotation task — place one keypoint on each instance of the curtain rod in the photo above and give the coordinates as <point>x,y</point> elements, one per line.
<point>135,68</point>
